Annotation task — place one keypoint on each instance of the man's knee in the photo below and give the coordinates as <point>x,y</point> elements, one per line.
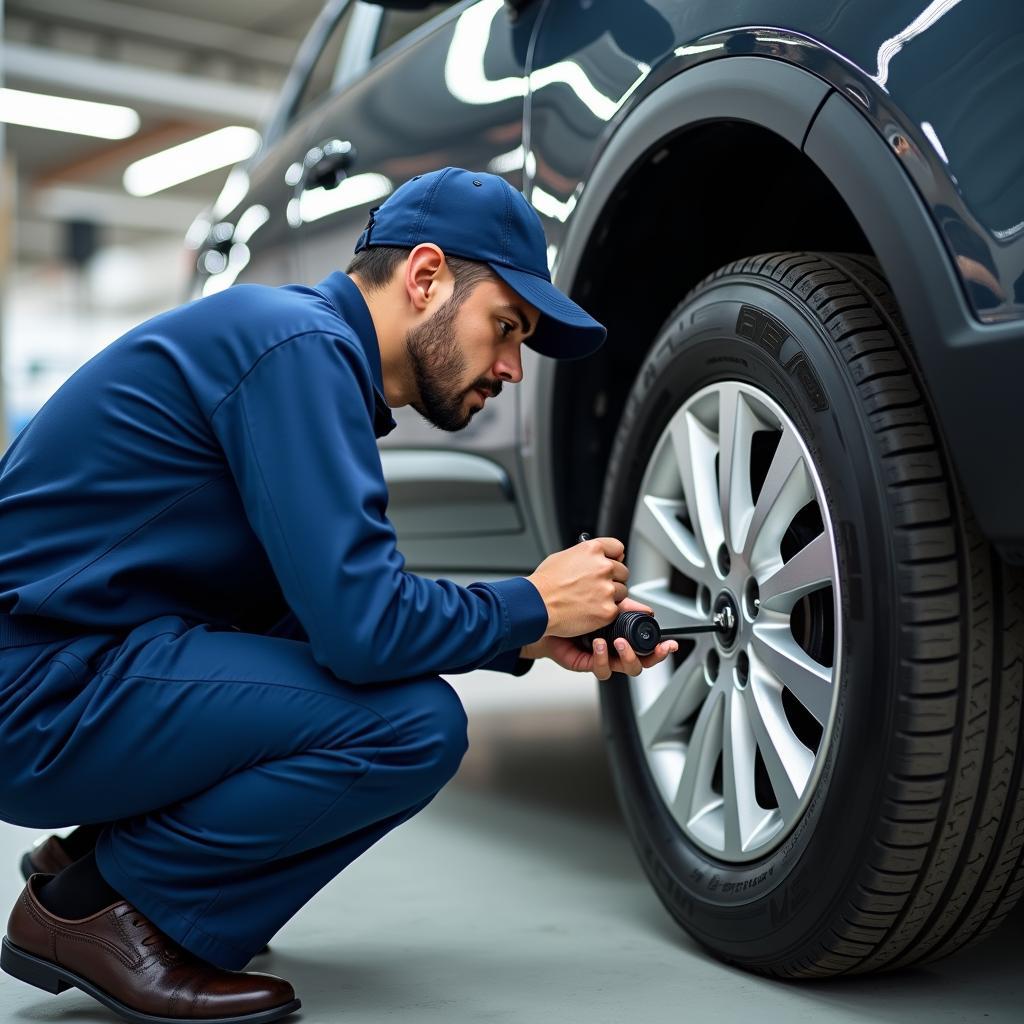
<point>432,729</point>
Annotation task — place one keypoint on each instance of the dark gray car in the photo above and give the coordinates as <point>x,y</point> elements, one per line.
<point>803,224</point>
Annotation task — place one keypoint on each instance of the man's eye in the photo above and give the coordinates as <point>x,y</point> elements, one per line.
<point>505,333</point>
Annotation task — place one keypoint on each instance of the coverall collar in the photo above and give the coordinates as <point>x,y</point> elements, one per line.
<point>348,300</point>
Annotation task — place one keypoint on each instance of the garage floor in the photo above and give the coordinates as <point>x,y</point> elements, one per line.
<point>515,896</point>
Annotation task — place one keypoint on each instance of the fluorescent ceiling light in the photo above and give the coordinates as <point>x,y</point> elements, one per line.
<point>190,160</point>
<point>61,114</point>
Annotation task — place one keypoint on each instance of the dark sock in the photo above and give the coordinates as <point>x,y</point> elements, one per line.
<point>78,891</point>
<point>82,840</point>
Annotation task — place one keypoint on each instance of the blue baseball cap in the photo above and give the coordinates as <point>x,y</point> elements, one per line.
<point>480,216</point>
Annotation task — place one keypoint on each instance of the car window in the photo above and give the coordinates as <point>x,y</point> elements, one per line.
<point>325,71</point>
<point>397,23</point>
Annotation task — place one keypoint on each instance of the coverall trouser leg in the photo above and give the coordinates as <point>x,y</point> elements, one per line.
<point>236,774</point>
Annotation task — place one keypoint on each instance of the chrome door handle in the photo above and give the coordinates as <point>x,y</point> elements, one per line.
<point>327,164</point>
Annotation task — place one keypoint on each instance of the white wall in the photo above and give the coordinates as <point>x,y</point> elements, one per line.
<point>56,318</point>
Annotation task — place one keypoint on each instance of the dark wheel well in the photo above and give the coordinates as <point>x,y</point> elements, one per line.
<point>698,200</point>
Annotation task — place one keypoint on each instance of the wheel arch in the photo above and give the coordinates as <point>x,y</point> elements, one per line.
<point>834,184</point>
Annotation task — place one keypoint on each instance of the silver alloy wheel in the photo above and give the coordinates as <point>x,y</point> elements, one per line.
<point>731,510</point>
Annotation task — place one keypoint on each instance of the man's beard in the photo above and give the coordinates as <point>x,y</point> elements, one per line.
<point>438,364</point>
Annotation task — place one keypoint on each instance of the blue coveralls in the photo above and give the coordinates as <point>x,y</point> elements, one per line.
<point>248,692</point>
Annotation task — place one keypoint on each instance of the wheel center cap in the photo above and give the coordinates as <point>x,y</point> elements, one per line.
<point>726,600</point>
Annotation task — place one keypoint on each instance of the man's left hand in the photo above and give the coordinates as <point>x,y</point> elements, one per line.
<point>602,663</point>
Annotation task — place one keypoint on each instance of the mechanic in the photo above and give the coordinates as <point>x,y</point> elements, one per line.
<point>210,653</point>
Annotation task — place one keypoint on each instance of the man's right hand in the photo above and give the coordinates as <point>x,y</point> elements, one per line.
<point>582,585</point>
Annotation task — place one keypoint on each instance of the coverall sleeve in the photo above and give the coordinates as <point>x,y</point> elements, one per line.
<point>297,434</point>
<point>508,661</point>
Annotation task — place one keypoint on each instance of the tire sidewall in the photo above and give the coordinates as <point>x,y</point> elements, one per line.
<point>747,329</point>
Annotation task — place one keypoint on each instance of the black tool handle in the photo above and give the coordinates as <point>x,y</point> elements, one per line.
<point>640,629</point>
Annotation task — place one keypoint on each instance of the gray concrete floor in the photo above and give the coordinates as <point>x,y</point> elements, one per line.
<point>516,897</point>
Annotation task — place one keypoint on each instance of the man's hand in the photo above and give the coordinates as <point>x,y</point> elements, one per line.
<point>581,585</point>
<point>564,651</point>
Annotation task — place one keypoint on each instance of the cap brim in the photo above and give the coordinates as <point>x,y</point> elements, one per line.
<point>565,329</point>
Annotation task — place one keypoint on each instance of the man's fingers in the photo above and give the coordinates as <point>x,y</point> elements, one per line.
<point>660,653</point>
<point>600,667</point>
<point>613,547</point>
<point>620,592</point>
<point>630,663</point>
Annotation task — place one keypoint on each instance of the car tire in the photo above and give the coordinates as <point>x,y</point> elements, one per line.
<point>905,843</point>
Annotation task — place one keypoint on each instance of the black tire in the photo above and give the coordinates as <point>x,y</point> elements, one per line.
<point>912,845</point>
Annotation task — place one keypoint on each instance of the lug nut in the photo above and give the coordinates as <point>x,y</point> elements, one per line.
<point>751,598</point>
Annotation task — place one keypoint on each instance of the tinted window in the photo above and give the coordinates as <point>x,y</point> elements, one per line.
<point>325,69</point>
<point>395,23</point>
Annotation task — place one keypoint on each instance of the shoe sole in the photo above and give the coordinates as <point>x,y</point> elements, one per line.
<point>28,868</point>
<point>50,977</point>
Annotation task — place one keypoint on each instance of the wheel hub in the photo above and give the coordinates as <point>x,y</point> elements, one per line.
<point>726,606</point>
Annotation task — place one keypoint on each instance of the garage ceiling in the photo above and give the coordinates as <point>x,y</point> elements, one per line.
<point>186,66</point>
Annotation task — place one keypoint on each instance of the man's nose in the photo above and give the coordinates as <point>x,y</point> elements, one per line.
<point>510,370</point>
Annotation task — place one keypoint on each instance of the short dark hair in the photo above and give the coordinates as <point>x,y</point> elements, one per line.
<point>376,265</point>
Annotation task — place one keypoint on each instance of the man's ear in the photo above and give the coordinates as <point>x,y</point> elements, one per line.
<point>423,272</point>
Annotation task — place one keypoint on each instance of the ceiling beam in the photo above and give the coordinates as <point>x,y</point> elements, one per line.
<point>166,90</point>
<point>165,26</point>
<point>105,206</point>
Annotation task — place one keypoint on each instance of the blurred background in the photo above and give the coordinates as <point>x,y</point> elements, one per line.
<point>95,200</point>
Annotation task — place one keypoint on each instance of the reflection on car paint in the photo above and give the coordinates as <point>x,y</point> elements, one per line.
<point>892,46</point>
<point>356,190</point>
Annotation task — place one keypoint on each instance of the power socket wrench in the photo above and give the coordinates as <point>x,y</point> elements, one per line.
<point>642,632</point>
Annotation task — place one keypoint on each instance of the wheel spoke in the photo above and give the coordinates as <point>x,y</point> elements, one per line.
<point>808,681</point>
<point>684,691</point>
<point>701,755</point>
<point>669,609</point>
<point>810,568</point>
<point>786,489</point>
<point>695,448</point>
<point>736,425</point>
<point>786,759</point>
<point>741,813</point>
<point>656,522</point>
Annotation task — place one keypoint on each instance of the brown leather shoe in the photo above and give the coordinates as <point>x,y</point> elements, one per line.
<point>119,957</point>
<point>50,857</point>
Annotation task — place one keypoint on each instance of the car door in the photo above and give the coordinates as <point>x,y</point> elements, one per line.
<point>445,85</point>
<point>248,234</point>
